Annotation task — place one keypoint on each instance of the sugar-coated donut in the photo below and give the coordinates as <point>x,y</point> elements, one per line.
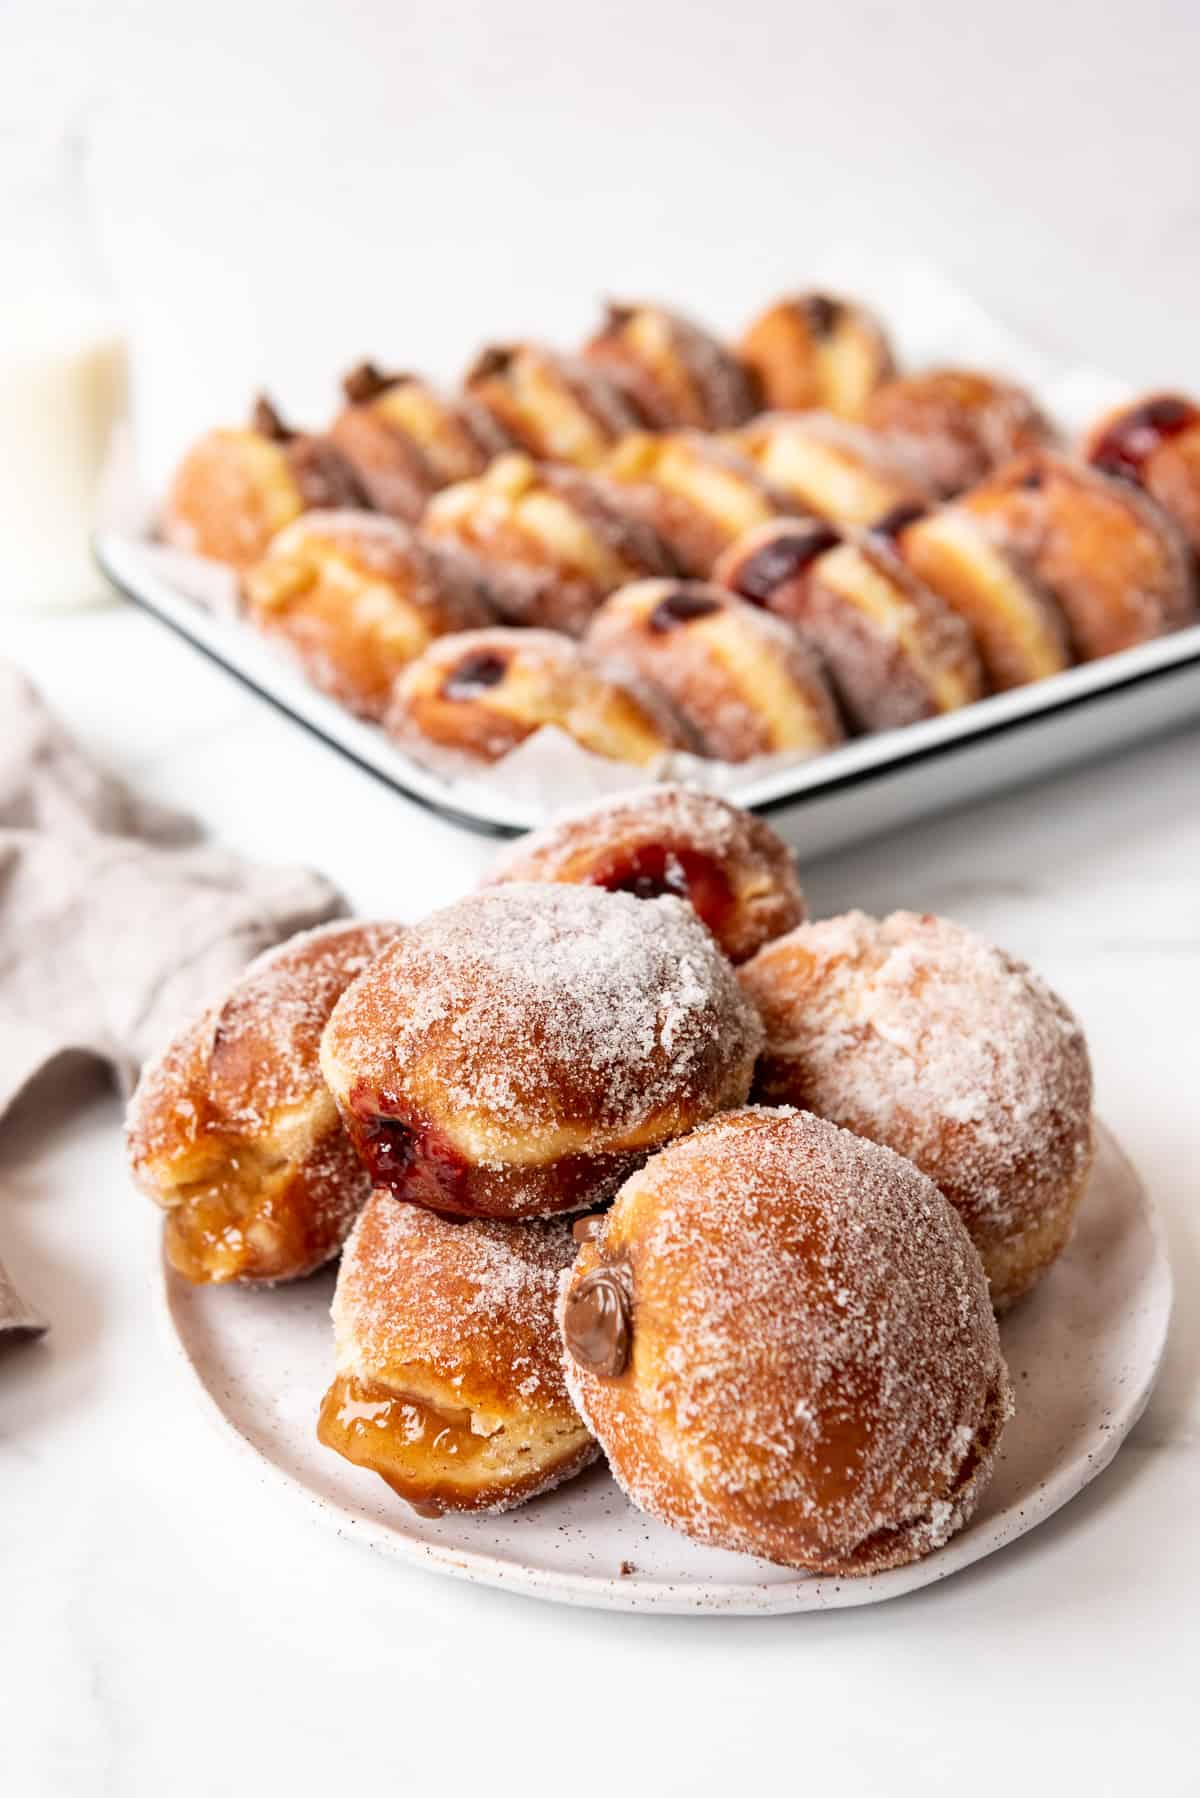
<point>745,681</point>
<point>1019,627</point>
<point>780,1335</point>
<point>472,697</point>
<point>356,596</point>
<point>557,408</point>
<point>673,371</point>
<point>814,351</point>
<point>558,540</point>
<point>699,493</point>
<point>1155,442</point>
<point>523,1049</point>
<point>830,466</point>
<point>738,876</point>
<point>893,651</point>
<point>916,1033</point>
<point>956,424</point>
<point>405,440</point>
<point>233,1131</point>
<point>235,488</point>
<point>449,1380</point>
<point>1113,560</point>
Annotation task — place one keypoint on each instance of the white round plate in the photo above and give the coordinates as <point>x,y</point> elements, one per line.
<point>1084,1350</point>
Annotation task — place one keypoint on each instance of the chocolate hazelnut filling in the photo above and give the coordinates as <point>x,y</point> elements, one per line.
<point>474,675</point>
<point>821,314</point>
<point>365,382</point>
<point>597,1326</point>
<point>1132,439</point>
<point>782,559</point>
<point>897,520</point>
<point>681,608</point>
<point>268,423</point>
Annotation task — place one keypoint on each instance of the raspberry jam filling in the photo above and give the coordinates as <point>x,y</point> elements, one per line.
<point>406,1154</point>
<point>782,559</point>
<point>682,608</point>
<point>653,870</point>
<point>1133,438</point>
<point>474,674</point>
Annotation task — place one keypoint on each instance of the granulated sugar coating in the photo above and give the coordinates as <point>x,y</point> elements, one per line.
<point>732,867</point>
<point>540,1018</point>
<point>816,1374</point>
<point>918,1034</point>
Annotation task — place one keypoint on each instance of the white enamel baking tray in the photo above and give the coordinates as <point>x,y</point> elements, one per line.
<point>873,784</point>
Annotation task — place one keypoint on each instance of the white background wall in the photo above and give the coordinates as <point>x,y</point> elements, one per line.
<point>285,187</point>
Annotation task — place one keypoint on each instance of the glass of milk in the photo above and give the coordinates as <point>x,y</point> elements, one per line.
<point>63,373</point>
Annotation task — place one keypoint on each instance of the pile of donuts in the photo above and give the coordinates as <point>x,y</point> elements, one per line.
<point>625,1155</point>
<point>662,543</point>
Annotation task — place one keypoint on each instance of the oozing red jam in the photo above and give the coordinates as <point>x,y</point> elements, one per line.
<point>474,674</point>
<point>1133,438</point>
<point>821,314</point>
<point>653,870</point>
<point>782,559</point>
<point>406,1154</point>
<point>681,608</point>
<point>897,520</point>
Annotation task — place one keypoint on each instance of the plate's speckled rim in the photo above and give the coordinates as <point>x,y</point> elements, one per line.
<point>1085,1350</point>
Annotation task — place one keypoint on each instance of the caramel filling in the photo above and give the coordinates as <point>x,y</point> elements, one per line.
<point>238,1227</point>
<point>409,1441</point>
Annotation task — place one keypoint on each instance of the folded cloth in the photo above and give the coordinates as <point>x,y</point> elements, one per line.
<point>116,919</point>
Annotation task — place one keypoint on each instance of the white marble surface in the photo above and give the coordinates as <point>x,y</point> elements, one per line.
<point>169,1623</point>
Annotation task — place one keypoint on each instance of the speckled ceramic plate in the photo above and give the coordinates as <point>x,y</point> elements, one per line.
<point>1084,1351</point>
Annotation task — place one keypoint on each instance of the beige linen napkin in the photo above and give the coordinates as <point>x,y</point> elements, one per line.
<point>116,920</point>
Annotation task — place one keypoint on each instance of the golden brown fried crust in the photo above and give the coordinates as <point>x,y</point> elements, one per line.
<point>1155,442</point>
<point>232,1130</point>
<point>833,467</point>
<point>391,470</point>
<point>816,352</point>
<point>230,494</point>
<point>555,407</point>
<point>355,597</point>
<point>674,372</point>
<point>745,681</point>
<point>518,1051</point>
<point>699,493</point>
<point>474,696</point>
<point>731,867</point>
<point>449,1374</point>
<point>798,1358</point>
<point>957,424</point>
<point>915,1033</point>
<point>1112,559</point>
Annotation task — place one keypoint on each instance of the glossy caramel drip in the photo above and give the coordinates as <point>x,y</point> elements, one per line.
<point>238,1229</point>
<point>1132,437</point>
<point>409,1442</point>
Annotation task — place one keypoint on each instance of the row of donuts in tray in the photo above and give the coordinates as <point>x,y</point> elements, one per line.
<point>734,552</point>
<point>629,1156</point>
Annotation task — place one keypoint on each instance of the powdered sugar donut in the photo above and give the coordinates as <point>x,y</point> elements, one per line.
<point>233,1131</point>
<point>780,1335</point>
<point>738,876</point>
<point>449,1380</point>
<point>697,491</point>
<point>916,1033</point>
<point>523,1049</point>
<point>839,470</point>
<point>815,350</point>
<point>405,440</point>
<point>558,408</point>
<point>957,424</point>
<point>673,371</point>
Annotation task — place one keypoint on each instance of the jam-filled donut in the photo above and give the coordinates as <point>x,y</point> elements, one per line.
<point>699,493</point>
<point>233,1131</point>
<point>956,424</point>
<point>780,1335</point>
<point>405,440</point>
<point>1110,556</point>
<point>743,680</point>
<point>1155,442</point>
<point>235,488</point>
<point>558,539</point>
<point>918,1034</point>
<point>558,408</point>
<point>839,470</point>
<point>1019,627</point>
<point>449,1380</point>
<point>674,372</point>
<point>356,596</point>
<point>816,352</point>
<point>472,697</point>
<point>738,876</point>
<point>520,1051</point>
<point>893,651</point>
